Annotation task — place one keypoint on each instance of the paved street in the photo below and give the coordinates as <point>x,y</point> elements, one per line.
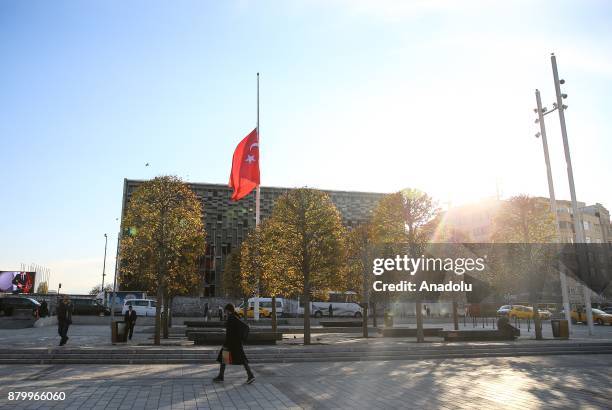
<point>88,335</point>
<point>527,382</point>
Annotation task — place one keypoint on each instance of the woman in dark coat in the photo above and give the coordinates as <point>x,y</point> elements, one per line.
<point>235,329</point>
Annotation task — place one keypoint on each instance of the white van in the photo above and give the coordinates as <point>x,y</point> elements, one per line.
<point>142,307</point>
<point>284,307</point>
<point>343,305</point>
<point>267,303</point>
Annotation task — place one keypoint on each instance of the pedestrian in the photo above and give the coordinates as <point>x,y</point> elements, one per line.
<point>220,312</point>
<point>232,351</point>
<point>331,310</point>
<point>44,309</point>
<point>428,311</point>
<point>130,320</point>
<point>206,310</point>
<point>64,319</point>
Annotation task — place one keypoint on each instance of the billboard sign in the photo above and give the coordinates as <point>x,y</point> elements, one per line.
<point>17,282</point>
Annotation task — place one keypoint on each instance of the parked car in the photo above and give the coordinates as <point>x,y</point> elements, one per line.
<point>10,303</point>
<point>522,312</point>
<point>599,316</point>
<point>88,307</point>
<point>263,312</point>
<point>504,310</point>
<point>142,307</point>
<point>607,310</point>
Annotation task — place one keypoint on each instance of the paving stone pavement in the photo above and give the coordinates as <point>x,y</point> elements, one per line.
<point>487,383</point>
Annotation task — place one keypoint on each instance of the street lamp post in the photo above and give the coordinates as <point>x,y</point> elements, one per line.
<point>553,202</point>
<point>578,228</point>
<point>112,314</point>
<point>104,268</point>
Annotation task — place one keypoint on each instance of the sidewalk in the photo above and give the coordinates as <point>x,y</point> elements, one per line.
<point>570,382</point>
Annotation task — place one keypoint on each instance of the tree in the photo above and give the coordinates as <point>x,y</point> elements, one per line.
<point>98,289</point>
<point>306,242</point>
<point>358,268</point>
<point>43,288</point>
<point>526,221</point>
<point>162,239</point>
<point>406,221</point>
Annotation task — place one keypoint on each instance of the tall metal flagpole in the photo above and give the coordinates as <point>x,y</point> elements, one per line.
<point>578,227</point>
<point>257,200</point>
<point>553,207</point>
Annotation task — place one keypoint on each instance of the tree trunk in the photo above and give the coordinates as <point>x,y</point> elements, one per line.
<point>165,317</point>
<point>170,312</point>
<point>306,297</point>
<point>364,319</point>
<point>156,339</point>
<point>273,314</point>
<point>537,322</point>
<point>455,315</point>
<point>374,320</point>
<point>419,321</point>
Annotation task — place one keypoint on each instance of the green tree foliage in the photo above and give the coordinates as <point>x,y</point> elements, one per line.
<point>527,223</point>
<point>163,238</point>
<point>306,242</point>
<point>404,223</point>
<point>98,288</point>
<point>524,219</point>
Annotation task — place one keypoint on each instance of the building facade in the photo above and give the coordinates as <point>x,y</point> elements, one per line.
<point>227,223</point>
<point>475,223</point>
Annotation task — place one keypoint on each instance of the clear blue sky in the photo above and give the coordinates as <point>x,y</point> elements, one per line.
<point>359,95</point>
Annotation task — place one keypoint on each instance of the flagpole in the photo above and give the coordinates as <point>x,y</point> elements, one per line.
<point>257,209</point>
<point>257,193</point>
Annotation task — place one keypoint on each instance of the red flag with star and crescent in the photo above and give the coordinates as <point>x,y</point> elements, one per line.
<point>245,166</point>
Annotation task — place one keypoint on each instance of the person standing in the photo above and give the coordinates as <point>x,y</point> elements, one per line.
<point>331,310</point>
<point>64,319</point>
<point>130,320</point>
<point>232,351</point>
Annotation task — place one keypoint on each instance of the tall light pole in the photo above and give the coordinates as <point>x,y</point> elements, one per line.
<point>578,228</point>
<point>104,268</point>
<point>553,202</point>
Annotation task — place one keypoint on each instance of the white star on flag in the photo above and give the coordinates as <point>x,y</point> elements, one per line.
<point>250,159</point>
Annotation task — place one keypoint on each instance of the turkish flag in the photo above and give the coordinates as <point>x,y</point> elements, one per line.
<point>245,166</point>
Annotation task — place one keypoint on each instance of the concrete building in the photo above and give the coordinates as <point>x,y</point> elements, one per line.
<point>227,223</point>
<point>474,222</point>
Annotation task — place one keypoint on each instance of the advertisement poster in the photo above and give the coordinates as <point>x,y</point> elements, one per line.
<point>17,282</point>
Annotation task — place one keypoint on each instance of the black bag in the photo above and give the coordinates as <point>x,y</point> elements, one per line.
<point>244,331</point>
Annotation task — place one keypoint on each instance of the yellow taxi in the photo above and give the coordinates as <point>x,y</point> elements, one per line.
<point>522,312</point>
<point>263,312</point>
<point>599,317</point>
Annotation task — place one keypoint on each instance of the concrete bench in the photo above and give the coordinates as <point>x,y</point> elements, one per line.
<point>217,338</point>
<point>478,335</point>
<point>203,323</point>
<point>409,331</point>
<point>341,323</point>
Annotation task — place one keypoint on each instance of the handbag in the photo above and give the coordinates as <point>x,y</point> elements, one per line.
<point>227,356</point>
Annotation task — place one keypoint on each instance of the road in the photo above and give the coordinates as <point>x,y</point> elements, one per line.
<point>515,383</point>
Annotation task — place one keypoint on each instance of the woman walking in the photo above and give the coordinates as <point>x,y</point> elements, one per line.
<point>232,352</point>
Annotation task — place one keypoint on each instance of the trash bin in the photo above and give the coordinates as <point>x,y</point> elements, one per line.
<point>388,319</point>
<point>560,328</point>
<point>119,332</point>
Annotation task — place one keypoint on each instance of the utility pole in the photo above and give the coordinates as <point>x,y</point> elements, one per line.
<point>104,268</point>
<point>553,203</point>
<point>578,228</point>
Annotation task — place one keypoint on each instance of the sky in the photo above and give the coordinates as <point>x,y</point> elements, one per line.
<point>355,95</point>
